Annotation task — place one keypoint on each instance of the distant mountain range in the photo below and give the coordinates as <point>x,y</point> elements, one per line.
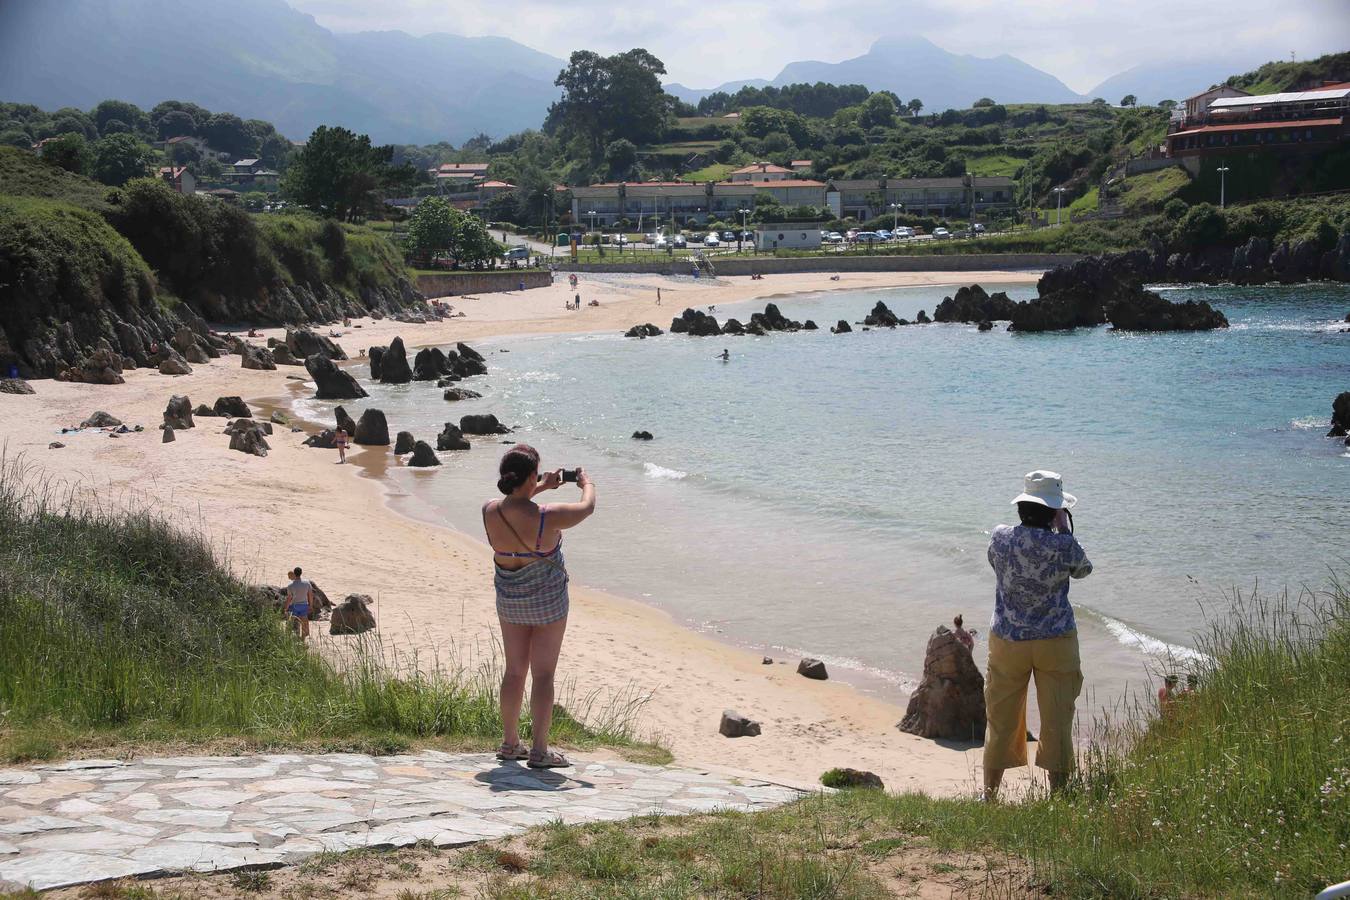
<point>262,59</point>
<point>1175,81</point>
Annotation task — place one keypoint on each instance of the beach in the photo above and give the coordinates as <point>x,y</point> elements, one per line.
<point>432,584</point>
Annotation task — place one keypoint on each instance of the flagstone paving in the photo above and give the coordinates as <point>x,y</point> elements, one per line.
<point>94,820</point>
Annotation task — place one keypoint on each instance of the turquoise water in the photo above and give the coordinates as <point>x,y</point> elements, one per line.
<point>833,494</point>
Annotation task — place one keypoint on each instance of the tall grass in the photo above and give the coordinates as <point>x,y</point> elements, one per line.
<point>116,625</point>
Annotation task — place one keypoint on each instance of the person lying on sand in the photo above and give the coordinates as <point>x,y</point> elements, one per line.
<point>1033,633</point>
<point>532,598</point>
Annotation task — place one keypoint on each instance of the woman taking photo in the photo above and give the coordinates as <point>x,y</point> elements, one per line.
<point>532,601</point>
<point>1033,633</point>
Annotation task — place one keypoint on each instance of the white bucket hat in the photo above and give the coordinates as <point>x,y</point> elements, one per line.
<point>1045,488</point>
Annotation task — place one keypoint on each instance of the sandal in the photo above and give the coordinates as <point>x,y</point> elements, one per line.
<point>549,759</point>
<point>512,752</point>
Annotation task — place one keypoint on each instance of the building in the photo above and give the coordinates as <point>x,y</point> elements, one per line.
<point>204,150</point>
<point>687,203</point>
<point>178,178</point>
<point>1291,121</point>
<point>787,236</point>
<point>868,198</point>
<point>251,175</point>
<point>800,166</point>
<point>1195,108</point>
<point>760,171</point>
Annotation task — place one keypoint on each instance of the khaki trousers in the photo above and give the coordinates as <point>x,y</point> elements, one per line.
<point>1054,663</point>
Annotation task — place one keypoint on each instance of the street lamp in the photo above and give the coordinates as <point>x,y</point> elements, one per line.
<point>1059,203</point>
<point>895,208</point>
<point>1223,172</point>
<point>740,237</point>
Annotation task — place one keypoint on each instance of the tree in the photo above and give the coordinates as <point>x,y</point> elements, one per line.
<point>340,175</point>
<point>132,116</point>
<point>69,151</point>
<point>1129,100</point>
<point>981,103</point>
<point>878,111</point>
<point>175,123</point>
<point>254,201</point>
<point>182,153</point>
<point>228,133</point>
<point>16,137</point>
<point>275,151</point>
<point>620,158</point>
<point>437,227</point>
<point>605,98</point>
<point>1167,105</point>
<point>119,158</point>
<point>1098,101</point>
<point>915,106</point>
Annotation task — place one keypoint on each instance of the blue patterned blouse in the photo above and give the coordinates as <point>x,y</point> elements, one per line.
<point>1033,567</point>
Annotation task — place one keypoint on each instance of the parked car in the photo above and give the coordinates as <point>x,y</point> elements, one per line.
<point>680,242</point>
<point>711,240</point>
<point>962,233</point>
<point>883,234</point>
<point>941,233</point>
<point>650,238</point>
<point>621,239</point>
<point>520,252</point>
<point>728,236</point>
<point>977,228</point>
<point>866,237</point>
<point>904,231</point>
<point>748,235</point>
<point>661,242</point>
<point>834,237</point>
<point>851,234</point>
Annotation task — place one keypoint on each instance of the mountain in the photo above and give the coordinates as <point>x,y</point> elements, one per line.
<point>913,66</point>
<point>693,95</point>
<point>1175,81</point>
<point>262,59</point>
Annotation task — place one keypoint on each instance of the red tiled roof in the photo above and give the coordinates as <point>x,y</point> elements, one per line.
<point>497,184</point>
<point>463,167</point>
<point>779,183</point>
<point>180,139</point>
<point>761,167</point>
<point>1257,126</point>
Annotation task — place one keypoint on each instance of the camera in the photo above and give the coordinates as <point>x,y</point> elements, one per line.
<point>569,475</point>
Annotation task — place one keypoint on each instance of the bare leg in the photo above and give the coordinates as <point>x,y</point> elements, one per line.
<point>545,645</point>
<point>516,644</point>
<point>1058,780</point>
<point>304,628</point>
<point>993,778</point>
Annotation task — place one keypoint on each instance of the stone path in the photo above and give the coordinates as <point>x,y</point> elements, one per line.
<point>94,820</point>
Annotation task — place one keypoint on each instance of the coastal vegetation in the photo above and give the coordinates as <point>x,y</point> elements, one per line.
<point>119,628</point>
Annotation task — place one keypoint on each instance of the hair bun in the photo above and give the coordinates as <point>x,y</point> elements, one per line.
<point>508,482</point>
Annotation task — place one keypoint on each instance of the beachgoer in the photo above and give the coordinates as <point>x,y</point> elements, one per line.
<point>346,321</point>
<point>593,303</point>
<point>1167,694</point>
<point>298,594</point>
<point>834,277</point>
<point>576,302</point>
<point>725,355</point>
<point>965,637</point>
<point>1192,683</point>
<point>1033,633</point>
<point>658,296</point>
<point>532,600</point>
<point>340,442</point>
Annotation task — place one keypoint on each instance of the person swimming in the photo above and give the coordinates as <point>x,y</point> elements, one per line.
<point>725,355</point>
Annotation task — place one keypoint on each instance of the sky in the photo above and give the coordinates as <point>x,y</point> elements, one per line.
<point>704,44</point>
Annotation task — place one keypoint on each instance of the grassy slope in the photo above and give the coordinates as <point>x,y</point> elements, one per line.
<point>1147,192</point>
<point>23,174</point>
<point>117,628</point>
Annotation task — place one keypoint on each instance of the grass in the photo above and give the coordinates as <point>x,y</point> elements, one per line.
<point>1148,191</point>
<point>118,629</point>
<point>711,172</point>
<point>994,164</point>
<point>1086,203</point>
<point>24,174</point>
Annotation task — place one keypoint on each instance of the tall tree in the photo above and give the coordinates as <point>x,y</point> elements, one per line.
<point>915,106</point>
<point>229,133</point>
<point>119,158</point>
<point>129,114</point>
<point>606,98</point>
<point>70,151</point>
<point>1129,100</point>
<point>340,175</point>
<point>175,123</point>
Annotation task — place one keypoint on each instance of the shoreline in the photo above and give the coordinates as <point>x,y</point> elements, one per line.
<point>432,585</point>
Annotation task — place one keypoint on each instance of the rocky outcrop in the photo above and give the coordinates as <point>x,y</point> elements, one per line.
<point>1143,310</point>
<point>430,364</point>
<point>813,669</point>
<point>643,331</point>
<point>482,424</point>
<point>455,393</point>
<point>257,358</point>
<point>345,421</point>
<point>102,366</point>
<point>467,362</point>
<point>841,327</point>
<point>248,436</point>
<point>973,304</point>
<point>696,323</point>
<point>332,383</point>
<point>772,319</point>
<point>423,455</point>
<point>882,317</point>
<point>352,615</point>
<point>174,364</point>
<point>101,419</point>
<point>15,386</point>
<point>733,327</point>
<point>403,443</point>
<point>376,357</point>
<point>451,438</point>
<point>324,440</point>
<point>230,407</point>
<point>1340,416</point>
<point>949,701</point>
<point>642,435</point>
<point>372,429</point>
<point>810,325</point>
<point>302,343</point>
<point>178,413</point>
<point>282,356</point>
<point>168,437</point>
<point>394,368</point>
<point>203,410</point>
<point>734,725</point>
<point>922,318</point>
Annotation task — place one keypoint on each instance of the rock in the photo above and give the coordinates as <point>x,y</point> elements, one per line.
<point>279,418</point>
<point>203,410</point>
<point>372,429</point>
<point>467,362</point>
<point>643,331</point>
<point>324,440</point>
<point>1077,295</point>
<point>461,394</point>
<point>772,319</point>
<point>168,435</point>
<point>735,725</point>
<point>1143,310</point>
<point>101,419</point>
<point>451,438</point>
<point>810,325</point>
<point>173,364</point>
<point>376,357</point>
<point>394,368</point>
<point>813,669</point>
<point>642,435</point>
<point>852,778</point>
<point>482,424</point>
<point>403,443</point>
<point>696,323</point>
<point>447,381</point>
<point>949,701</point>
<point>232,407</point>
<point>841,328</point>
<point>922,318</point>
<point>881,317</point>
<point>430,364</point>
<point>257,358</point>
<point>100,367</point>
<point>15,386</point>
<point>755,328</point>
<point>305,342</point>
<point>282,356</point>
<point>469,353</point>
<point>734,327</point>
<point>1340,415</point>
<point>183,339</point>
<point>178,412</point>
<point>55,445</point>
<point>331,382</point>
<point>344,421</point>
<point>198,356</point>
<point>423,455</point>
<point>973,304</point>
<point>352,616</point>
<point>246,436</point>
<point>985,325</point>
<point>768,660</point>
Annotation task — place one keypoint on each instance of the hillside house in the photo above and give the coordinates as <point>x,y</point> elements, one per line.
<point>760,171</point>
<point>178,178</point>
<point>1291,121</point>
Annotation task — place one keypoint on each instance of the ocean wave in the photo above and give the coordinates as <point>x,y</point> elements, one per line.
<point>1150,645</point>
<point>534,377</point>
<point>1313,422</point>
<point>903,681</point>
<point>654,471</point>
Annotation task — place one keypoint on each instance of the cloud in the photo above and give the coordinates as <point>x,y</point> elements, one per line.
<point>1081,42</point>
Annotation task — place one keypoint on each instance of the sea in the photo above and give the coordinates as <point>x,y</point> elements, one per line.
<point>832,495</point>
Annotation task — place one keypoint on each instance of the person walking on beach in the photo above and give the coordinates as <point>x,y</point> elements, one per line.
<point>658,296</point>
<point>531,586</point>
<point>298,594</point>
<point>340,442</point>
<point>1033,633</point>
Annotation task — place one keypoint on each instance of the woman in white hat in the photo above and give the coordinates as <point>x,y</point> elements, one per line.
<point>1033,633</point>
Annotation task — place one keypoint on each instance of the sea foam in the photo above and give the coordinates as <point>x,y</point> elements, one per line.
<point>1150,645</point>
<point>654,471</point>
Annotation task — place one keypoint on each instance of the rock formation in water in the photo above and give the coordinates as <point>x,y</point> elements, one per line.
<point>973,304</point>
<point>482,424</point>
<point>882,317</point>
<point>332,383</point>
<point>695,323</point>
<point>1340,416</point>
<point>372,429</point>
<point>394,368</point>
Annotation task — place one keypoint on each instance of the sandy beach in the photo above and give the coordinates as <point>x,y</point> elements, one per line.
<point>433,585</point>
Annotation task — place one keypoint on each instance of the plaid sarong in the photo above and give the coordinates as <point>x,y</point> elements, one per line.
<point>535,594</point>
